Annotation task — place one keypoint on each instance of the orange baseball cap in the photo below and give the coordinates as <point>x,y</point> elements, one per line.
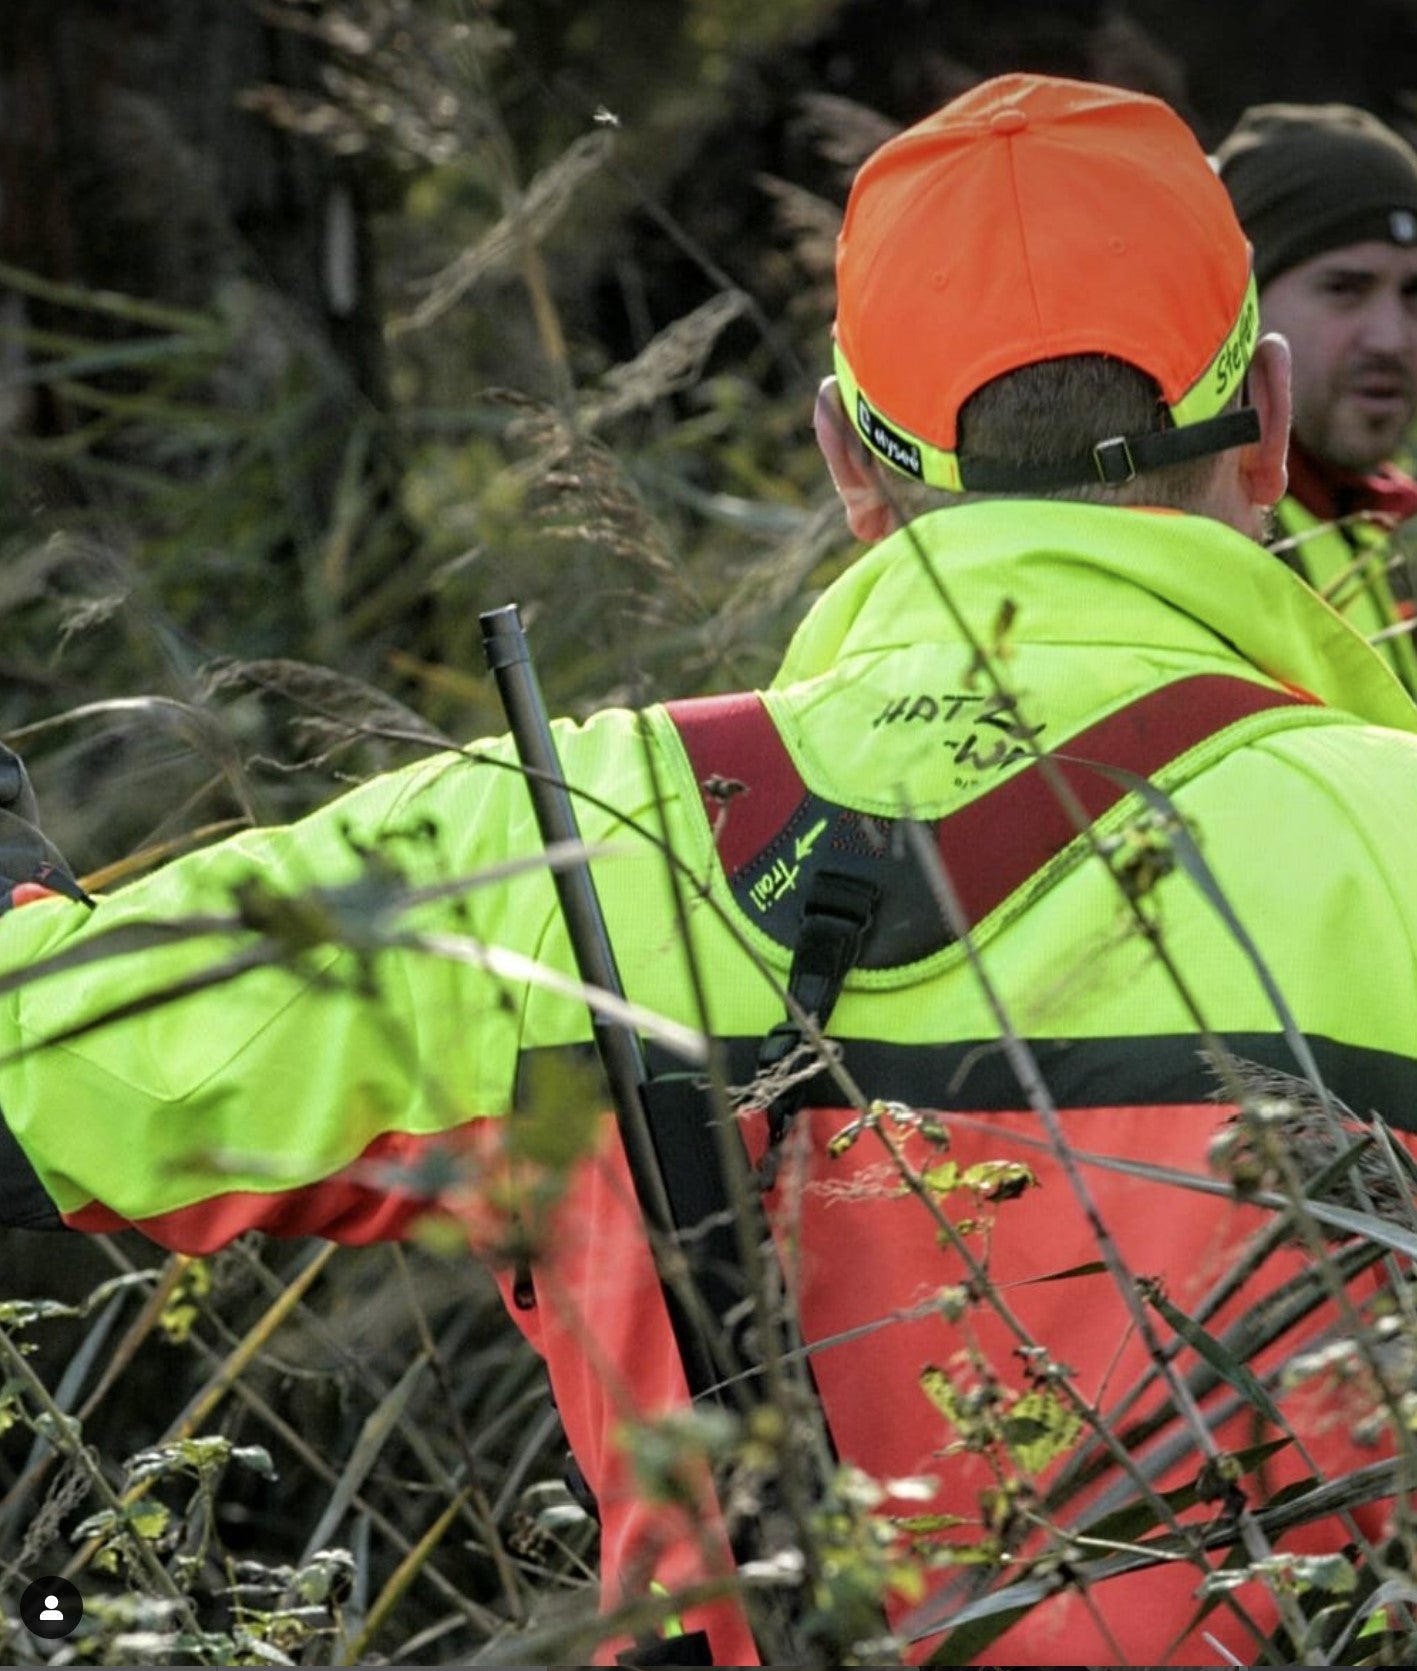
<point>1032,218</point>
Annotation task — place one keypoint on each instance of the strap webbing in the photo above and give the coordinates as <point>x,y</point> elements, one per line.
<point>991,846</point>
<point>1117,460</point>
<point>835,920</point>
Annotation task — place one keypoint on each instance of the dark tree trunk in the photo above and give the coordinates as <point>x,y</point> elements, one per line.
<point>128,162</point>
<point>132,161</point>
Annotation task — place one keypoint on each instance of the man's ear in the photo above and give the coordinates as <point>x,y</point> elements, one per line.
<point>1263,464</point>
<point>855,474</point>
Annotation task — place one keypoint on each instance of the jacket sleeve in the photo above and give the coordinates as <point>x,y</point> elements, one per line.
<point>253,1038</point>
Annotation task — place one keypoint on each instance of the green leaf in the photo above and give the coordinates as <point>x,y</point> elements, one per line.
<point>184,1304</point>
<point>12,1406</point>
<point>149,1519</point>
<point>257,1458</point>
<point>941,1179</point>
<point>998,1180</point>
<point>1038,1427</point>
<point>940,1390</point>
<point>328,1572</point>
<point>926,1523</point>
<point>1094,1267</point>
<point>1237,1374</point>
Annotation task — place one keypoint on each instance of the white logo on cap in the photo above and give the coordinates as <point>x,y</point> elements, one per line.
<point>1402,224</point>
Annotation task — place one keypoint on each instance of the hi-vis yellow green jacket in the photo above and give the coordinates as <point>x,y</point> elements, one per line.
<point>1348,568</point>
<point>312,1093</point>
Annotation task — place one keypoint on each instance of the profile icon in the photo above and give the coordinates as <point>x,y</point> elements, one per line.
<point>51,1607</point>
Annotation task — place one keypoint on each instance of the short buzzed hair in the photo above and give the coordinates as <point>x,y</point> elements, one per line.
<point>1056,409</point>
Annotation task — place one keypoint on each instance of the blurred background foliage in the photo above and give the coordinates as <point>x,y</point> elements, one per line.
<point>324,325</point>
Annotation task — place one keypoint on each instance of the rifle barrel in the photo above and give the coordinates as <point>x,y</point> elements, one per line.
<point>617,1044</point>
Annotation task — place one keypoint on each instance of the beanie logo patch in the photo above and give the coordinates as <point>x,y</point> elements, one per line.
<point>1402,226</point>
<point>894,447</point>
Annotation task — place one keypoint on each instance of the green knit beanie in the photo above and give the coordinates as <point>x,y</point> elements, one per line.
<point>1305,178</point>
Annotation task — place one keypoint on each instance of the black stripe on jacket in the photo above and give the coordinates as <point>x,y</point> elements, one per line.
<point>1166,1068</point>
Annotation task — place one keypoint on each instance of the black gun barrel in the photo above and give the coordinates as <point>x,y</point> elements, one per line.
<point>618,1046</point>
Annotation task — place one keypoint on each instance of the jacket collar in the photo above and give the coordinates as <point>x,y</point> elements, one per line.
<point>1081,578</point>
<point>1328,494</point>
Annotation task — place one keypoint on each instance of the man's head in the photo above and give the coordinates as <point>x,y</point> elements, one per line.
<point>1038,232</point>
<point>1328,197</point>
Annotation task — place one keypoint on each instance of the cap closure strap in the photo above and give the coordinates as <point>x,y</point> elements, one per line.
<point>1118,459</point>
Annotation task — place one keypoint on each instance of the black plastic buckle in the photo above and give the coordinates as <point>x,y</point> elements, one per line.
<point>778,1045</point>
<point>1114,461</point>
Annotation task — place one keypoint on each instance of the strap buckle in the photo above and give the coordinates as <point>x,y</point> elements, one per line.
<point>1114,461</point>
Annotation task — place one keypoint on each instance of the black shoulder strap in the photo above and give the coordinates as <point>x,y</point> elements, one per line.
<point>842,889</point>
<point>773,833</point>
<point>836,918</point>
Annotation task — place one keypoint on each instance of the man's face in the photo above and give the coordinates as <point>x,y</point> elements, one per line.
<point>1350,316</point>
